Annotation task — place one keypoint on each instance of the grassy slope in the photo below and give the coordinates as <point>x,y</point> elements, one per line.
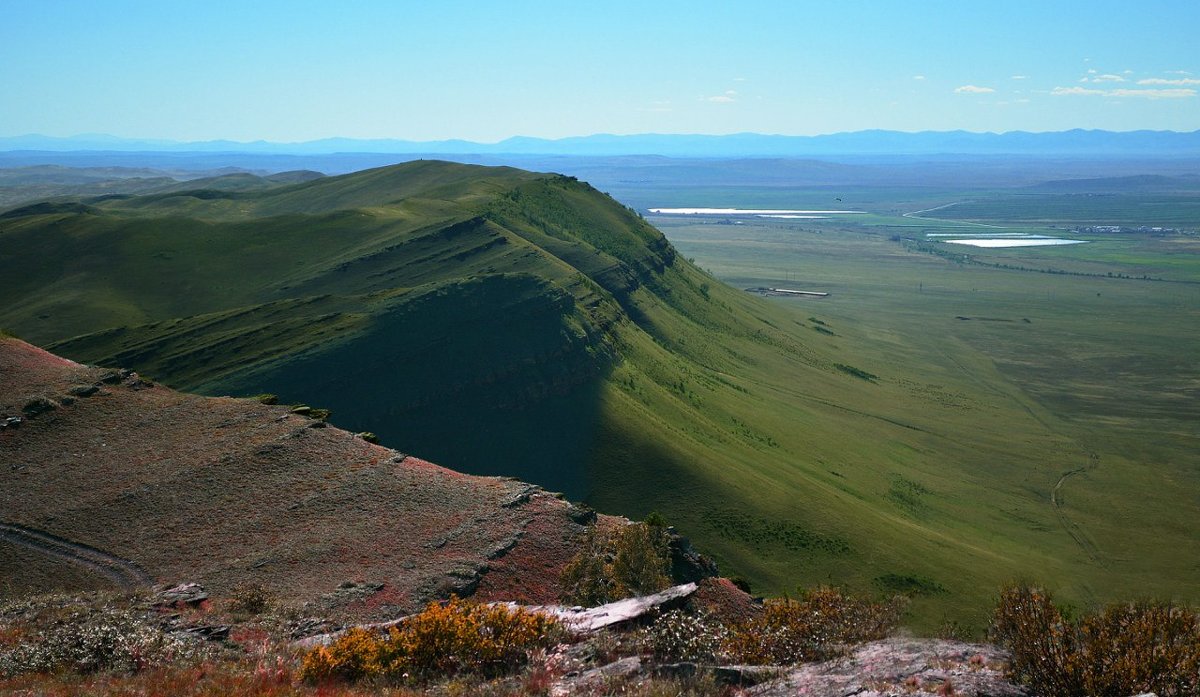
<point>504,322</point>
<point>1069,367</point>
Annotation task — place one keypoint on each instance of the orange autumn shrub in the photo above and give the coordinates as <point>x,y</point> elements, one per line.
<point>442,640</point>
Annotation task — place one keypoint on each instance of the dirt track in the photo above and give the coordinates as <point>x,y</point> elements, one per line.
<point>1085,543</point>
<point>122,572</point>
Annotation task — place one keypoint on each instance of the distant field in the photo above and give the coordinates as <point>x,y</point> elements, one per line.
<point>1091,383</point>
<point>1176,210</point>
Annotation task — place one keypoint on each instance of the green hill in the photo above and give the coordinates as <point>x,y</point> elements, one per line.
<point>504,322</point>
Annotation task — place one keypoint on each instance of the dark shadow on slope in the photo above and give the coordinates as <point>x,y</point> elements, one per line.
<point>498,375</point>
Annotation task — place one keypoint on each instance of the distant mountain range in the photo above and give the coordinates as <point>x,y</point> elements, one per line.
<point>1076,142</point>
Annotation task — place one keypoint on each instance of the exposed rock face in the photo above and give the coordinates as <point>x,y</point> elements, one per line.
<point>901,666</point>
<point>687,564</point>
<point>182,594</point>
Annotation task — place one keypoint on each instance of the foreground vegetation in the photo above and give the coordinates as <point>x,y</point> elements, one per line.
<point>105,644</point>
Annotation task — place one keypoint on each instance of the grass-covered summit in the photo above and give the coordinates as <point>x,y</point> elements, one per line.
<point>506,322</point>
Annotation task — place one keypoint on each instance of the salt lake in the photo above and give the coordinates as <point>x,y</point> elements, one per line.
<point>786,214</point>
<point>1016,242</point>
<point>1002,239</point>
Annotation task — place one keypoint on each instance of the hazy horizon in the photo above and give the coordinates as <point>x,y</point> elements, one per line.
<point>575,136</point>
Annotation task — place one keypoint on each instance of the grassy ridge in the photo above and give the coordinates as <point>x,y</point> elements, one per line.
<point>504,322</point>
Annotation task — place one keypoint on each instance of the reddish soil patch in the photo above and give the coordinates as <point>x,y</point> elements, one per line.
<point>720,598</point>
<point>229,491</point>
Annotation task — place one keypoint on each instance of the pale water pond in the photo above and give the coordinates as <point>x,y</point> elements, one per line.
<point>1002,239</point>
<point>786,214</point>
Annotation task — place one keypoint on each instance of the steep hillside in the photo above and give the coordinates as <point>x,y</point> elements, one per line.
<point>505,322</point>
<point>112,480</point>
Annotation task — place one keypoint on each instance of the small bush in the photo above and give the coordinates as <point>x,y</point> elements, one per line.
<point>1125,649</point>
<point>677,636</point>
<point>817,626</point>
<point>1043,645</point>
<point>355,654</point>
<point>267,398</point>
<point>587,578</point>
<point>443,640</point>
<point>250,599</point>
<point>642,559</point>
<point>856,372</point>
<point>634,560</point>
<point>82,639</point>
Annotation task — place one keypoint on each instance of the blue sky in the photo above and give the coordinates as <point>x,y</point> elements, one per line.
<point>294,70</point>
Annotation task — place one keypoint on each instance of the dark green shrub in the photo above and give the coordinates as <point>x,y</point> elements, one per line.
<point>856,372</point>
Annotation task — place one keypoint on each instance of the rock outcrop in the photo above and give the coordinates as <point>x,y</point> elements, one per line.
<point>901,666</point>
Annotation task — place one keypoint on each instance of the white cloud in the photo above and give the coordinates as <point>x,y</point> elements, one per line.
<point>1074,90</point>
<point>1091,71</point>
<point>1127,72</point>
<point>721,99</point>
<point>1160,81</point>
<point>1178,72</point>
<point>1020,77</point>
<point>1175,93</point>
<point>918,77</point>
<point>739,79</point>
<point>1108,77</point>
<point>973,89</point>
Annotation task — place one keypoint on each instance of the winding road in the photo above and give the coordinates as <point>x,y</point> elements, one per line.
<point>1070,527</point>
<point>122,572</point>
